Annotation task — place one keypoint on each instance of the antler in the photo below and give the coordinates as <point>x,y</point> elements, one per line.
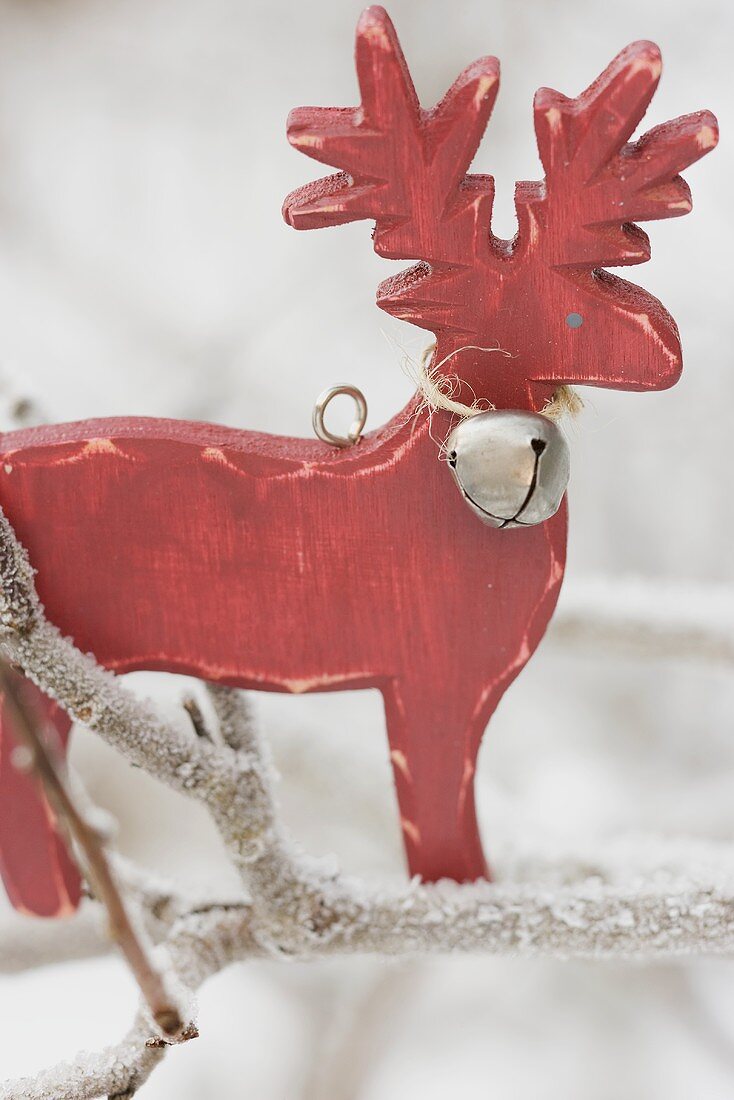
<point>401,165</point>
<point>597,183</point>
<point>406,168</point>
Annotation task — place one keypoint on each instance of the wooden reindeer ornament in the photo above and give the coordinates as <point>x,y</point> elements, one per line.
<point>287,565</point>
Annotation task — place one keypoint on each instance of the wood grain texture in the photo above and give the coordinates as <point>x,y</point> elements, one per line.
<point>281,564</point>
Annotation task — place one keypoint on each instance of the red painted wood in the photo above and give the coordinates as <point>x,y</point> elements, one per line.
<point>284,565</point>
<point>39,874</point>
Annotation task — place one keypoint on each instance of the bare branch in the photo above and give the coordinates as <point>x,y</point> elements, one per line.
<point>17,410</point>
<point>193,710</point>
<point>236,717</point>
<point>652,619</point>
<point>26,944</point>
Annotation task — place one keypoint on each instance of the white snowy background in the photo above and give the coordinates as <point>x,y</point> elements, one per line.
<point>144,268</point>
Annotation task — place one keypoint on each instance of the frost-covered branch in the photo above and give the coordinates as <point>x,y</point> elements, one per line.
<point>648,618</point>
<point>200,944</point>
<point>115,1072</point>
<point>26,944</point>
<point>627,900</point>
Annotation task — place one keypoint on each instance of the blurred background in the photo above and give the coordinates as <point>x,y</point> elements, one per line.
<point>144,268</point>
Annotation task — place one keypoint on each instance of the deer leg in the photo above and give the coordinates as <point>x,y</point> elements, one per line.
<point>38,873</point>
<point>434,739</point>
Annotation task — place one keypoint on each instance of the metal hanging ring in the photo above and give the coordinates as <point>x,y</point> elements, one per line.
<point>357,426</point>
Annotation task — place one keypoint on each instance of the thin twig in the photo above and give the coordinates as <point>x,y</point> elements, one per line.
<point>18,410</point>
<point>200,945</point>
<point>150,980</point>
<point>193,710</point>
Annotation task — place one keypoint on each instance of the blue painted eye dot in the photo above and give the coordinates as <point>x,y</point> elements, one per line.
<point>574,320</point>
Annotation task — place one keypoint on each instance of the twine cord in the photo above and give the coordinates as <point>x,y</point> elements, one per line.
<point>438,390</point>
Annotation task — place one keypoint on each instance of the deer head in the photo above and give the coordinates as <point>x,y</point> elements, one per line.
<point>543,296</point>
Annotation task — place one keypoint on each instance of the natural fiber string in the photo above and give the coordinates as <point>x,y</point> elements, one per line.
<point>438,389</point>
<point>564,402</point>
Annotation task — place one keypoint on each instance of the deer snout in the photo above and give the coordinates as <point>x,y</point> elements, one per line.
<point>511,467</point>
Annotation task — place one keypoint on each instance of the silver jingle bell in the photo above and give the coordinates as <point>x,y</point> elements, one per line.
<point>512,467</point>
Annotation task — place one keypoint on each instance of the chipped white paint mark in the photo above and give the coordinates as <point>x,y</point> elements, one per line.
<point>554,577</point>
<point>553,117</point>
<point>249,679</point>
<point>400,763</point>
<point>103,447</point>
<point>398,704</point>
<point>345,471</point>
<point>306,470</point>
<point>394,459</point>
<point>706,137</point>
<point>216,454</point>
<point>484,87</point>
<point>533,227</point>
<point>311,683</point>
<point>100,446</point>
<point>643,322</point>
<point>411,830</point>
<point>651,64</point>
<point>8,468</point>
<point>466,782</point>
<point>648,328</point>
<point>520,659</point>
<point>376,36</point>
<point>307,141</point>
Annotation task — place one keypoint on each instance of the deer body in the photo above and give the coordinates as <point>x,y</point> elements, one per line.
<point>284,565</point>
<point>320,573</point>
